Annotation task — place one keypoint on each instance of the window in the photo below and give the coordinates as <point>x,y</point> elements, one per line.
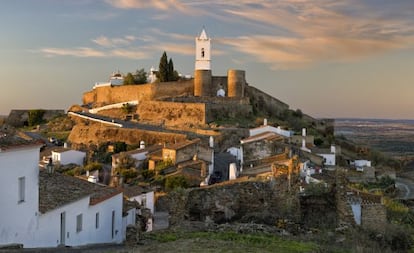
<point>22,189</point>
<point>97,220</point>
<point>144,201</point>
<point>202,53</point>
<point>79,223</point>
<point>113,224</point>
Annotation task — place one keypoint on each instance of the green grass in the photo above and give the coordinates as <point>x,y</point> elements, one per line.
<point>61,135</point>
<point>233,242</point>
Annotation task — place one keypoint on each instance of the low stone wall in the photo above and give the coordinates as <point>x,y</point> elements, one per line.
<point>374,217</point>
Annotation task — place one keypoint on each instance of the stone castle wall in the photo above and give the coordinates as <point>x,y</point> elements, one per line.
<point>219,107</point>
<point>262,101</point>
<point>218,82</point>
<point>118,94</point>
<point>177,89</point>
<point>228,109</point>
<point>172,113</point>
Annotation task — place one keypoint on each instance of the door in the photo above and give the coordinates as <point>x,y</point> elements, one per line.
<point>62,228</point>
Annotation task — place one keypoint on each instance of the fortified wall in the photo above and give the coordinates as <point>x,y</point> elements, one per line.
<point>262,101</point>
<point>172,113</point>
<point>117,94</point>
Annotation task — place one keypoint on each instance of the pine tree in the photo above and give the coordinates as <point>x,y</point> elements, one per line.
<point>171,72</point>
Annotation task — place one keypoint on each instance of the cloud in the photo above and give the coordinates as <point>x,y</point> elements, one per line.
<point>299,33</point>
<point>114,42</point>
<point>83,52</point>
<point>164,5</point>
<point>283,33</point>
<point>287,53</point>
<point>77,52</point>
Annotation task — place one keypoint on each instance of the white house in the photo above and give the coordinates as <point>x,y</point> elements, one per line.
<point>19,193</point>
<point>47,210</point>
<point>144,198</point>
<point>360,164</point>
<point>115,79</point>
<point>140,155</point>
<point>66,156</point>
<point>328,156</point>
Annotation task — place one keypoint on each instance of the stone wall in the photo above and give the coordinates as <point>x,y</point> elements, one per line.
<point>219,82</point>
<point>97,134</point>
<point>228,108</point>
<point>373,217</point>
<point>173,89</point>
<point>172,113</point>
<point>262,101</point>
<point>261,149</point>
<point>319,211</point>
<point>250,201</point>
<point>117,94</point>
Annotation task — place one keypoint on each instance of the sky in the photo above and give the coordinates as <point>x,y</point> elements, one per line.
<point>329,58</point>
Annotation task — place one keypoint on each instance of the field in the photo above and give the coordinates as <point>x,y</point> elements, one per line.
<point>395,138</point>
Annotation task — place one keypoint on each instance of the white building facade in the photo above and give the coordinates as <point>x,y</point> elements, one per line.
<point>68,156</point>
<point>34,213</point>
<point>19,194</point>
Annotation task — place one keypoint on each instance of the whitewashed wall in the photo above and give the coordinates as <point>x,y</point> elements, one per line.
<point>149,200</point>
<point>263,129</point>
<point>48,234</point>
<point>69,156</point>
<point>18,221</point>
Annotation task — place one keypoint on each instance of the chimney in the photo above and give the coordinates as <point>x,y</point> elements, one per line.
<point>141,144</point>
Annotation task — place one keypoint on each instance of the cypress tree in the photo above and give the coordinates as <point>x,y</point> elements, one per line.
<point>171,71</point>
<point>163,68</point>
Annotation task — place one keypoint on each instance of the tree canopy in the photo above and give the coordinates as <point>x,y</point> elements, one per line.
<point>140,77</point>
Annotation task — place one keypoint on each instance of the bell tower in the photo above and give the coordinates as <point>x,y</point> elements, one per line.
<point>203,52</point>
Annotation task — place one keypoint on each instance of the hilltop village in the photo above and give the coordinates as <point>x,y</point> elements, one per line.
<point>242,156</point>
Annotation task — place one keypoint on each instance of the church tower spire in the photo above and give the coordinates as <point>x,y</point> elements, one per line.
<point>203,51</point>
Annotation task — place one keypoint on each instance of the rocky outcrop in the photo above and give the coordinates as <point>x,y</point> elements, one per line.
<point>19,118</point>
<point>97,134</point>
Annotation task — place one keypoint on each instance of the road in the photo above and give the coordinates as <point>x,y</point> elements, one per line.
<point>406,186</point>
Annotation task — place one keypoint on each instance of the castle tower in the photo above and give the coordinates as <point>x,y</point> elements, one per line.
<point>236,81</point>
<point>202,73</point>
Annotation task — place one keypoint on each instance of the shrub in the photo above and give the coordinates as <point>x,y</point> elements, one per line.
<point>93,166</point>
<point>174,182</point>
<point>35,117</point>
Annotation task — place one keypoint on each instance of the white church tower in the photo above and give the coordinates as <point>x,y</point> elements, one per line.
<point>203,49</point>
